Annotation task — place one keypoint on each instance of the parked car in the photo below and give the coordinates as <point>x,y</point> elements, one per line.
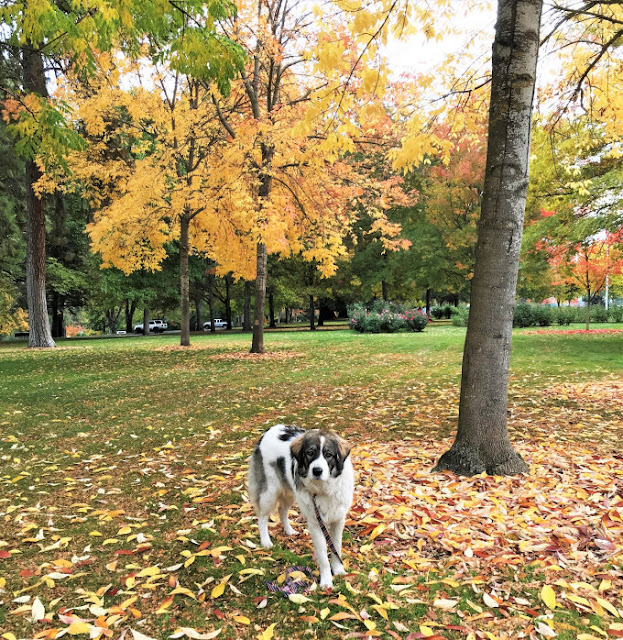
<point>218,324</point>
<point>155,326</point>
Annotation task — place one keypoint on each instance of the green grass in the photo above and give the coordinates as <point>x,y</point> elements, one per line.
<point>136,425</point>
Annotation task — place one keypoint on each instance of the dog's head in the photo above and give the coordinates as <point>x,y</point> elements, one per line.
<point>319,454</point>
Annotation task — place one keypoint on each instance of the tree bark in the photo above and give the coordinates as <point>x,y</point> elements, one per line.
<point>271,309</point>
<point>198,312</point>
<point>384,290</point>
<point>428,295</point>
<point>39,333</point>
<point>146,321</point>
<point>184,281</point>
<point>482,442</point>
<point>257,343</point>
<point>211,301</point>
<point>130,308</point>
<point>228,302</point>
<point>246,320</point>
<point>312,314</point>
<point>58,320</point>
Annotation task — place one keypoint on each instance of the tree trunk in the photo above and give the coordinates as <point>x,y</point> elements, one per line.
<point>184,282</point>
<point>588,310</point>
<point>257,344</point>
<point>146,321</point>
<point>312,314</point>
<point>384,290</point>
<point>228,302</point>
<point>39,333</point>
<point>482,442</point>
<point>211,301</point>
<point>246,320</point>
<point>112,317</point>
<point>428,295</point>
<point>198,312</point>
<point>130,308</point>
<point>271,309</point>
<point>58,322</point>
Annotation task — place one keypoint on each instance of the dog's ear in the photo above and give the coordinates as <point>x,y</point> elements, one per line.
<point>296,445</point>
<point>343,447</point>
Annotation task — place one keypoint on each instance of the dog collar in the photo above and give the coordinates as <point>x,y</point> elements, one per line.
<point>325,531</point>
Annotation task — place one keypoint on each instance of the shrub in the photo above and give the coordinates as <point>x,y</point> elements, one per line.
<point>542,315</point>
<point>599,314</point>
<point>615,314</point>
<point>459,316</point>
<point>563,315</point>
<point>524,315</point>
<point>437,313</point>
<point>383,317</point>
<point>415,320</point>
<point>447,311</point>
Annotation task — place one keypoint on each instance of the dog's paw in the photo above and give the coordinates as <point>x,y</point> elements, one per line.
<point>289,531</point>
<point>326,584</point>
<point>267,544</point>
<point>337,569</point>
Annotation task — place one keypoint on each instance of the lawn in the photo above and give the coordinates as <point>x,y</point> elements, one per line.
<point>123,506</point>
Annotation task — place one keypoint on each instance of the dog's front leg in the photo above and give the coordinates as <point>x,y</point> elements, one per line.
<point>336,530</point>
<point>322,558</point>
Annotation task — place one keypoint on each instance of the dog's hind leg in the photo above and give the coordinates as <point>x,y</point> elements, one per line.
<point>265,506</point>
<point>285,502</point>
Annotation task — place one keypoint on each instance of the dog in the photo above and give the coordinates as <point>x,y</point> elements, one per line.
<point>312,467</point>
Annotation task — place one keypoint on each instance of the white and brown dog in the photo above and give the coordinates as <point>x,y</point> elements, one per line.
<point>313,468</point>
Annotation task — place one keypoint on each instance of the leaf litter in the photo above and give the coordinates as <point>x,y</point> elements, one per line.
<point>163,543</point>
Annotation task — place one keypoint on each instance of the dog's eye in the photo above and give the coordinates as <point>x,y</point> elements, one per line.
<point>328,454</point>
<point>311,454</point>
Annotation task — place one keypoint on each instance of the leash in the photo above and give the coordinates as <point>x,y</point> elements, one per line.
<point>325,532</point>
<point>292,586</point>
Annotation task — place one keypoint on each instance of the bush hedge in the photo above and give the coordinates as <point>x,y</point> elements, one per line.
<point>385,317</point>
<point>536,315</point>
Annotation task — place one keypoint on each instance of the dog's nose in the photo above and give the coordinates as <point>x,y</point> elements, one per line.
<point>317,471</point>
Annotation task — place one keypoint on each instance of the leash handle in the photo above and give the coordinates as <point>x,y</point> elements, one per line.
<point>325,532</point>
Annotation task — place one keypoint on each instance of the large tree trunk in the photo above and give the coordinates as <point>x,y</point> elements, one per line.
<point>39,333</point>
<point>257,344</point>
<point>482,442</point>
<point>184,282</point>
<point>246,319</point>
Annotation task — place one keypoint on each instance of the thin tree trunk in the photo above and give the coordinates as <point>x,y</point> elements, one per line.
<point>58,324</point>
<point>588,309</point>
<point>246,320</point>
<point>482,442</point>
<point>146,321</point>
<point>384,290</point>
<point>228,302</point>
<point>130,309</point>
<point>198,312</point>
<point>184,281</point>
<point>39,333</point>
<point>312,314</point>
<point>257,343</point>
<point>271,309</point>
<point>211,301</point>
<point>428,296</point>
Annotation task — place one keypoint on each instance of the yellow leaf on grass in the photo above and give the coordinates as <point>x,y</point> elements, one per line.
<point>608,607</point>
<point>218,591</point>
<point>377,531</point>
<point>548,595</point>
<point>268,633</point>
<point>370,625</point>
<point>110,541</point>
<point>184,592</point>
<point>426,631</point>
<point>8,636</point>
<point>124,531</point>
<point>242,619</point>
<point>76,628</point>
<point>149,571</point>
<point>324,613</point>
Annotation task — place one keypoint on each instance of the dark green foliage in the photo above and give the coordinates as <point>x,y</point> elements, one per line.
<point>524,315</point>
<point>460,316</point>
